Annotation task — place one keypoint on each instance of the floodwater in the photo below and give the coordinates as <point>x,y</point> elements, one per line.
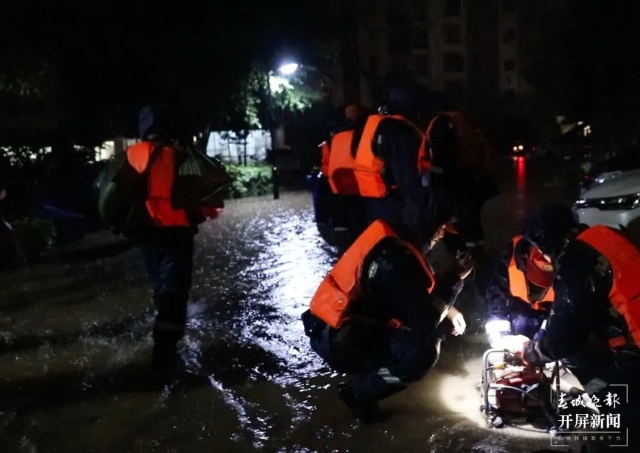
<point>75,347</point>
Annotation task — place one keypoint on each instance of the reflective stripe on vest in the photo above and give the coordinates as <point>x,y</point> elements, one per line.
<point>160,183</point>
<point>342,285</point>
<point>624,259</point>
<point>369,168</point>
<point>342,164</point>
<point>325,156</point>
<point>518,282</point>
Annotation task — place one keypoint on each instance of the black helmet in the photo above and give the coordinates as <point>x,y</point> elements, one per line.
<point>442,135</point>
<point>548,229</point>
<point>154,121</point>
<point>407,98</point>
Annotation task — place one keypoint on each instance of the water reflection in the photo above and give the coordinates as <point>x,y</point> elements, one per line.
<point>74,357</point>
<point>521,188</point>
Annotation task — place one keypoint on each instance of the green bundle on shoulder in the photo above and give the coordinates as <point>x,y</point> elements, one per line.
<point>199,179</point>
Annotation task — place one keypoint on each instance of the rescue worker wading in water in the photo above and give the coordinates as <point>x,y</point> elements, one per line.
<point>595,318</point>
<point>167,242</point>
<point>519,295</point>
<point>376,315</point>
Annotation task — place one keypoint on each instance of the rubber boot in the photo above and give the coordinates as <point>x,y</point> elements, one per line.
<point>366,412</point>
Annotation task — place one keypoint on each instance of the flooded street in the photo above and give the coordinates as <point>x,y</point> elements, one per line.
<point>75,346</point>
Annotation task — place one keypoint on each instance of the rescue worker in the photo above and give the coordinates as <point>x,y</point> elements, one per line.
<point>595,319</point>
<point>168,243</point>
<point>378,314</point>
<point>338,206</point>
<point>387,174</point>
<point>519,295</point>
<point>457,143</point>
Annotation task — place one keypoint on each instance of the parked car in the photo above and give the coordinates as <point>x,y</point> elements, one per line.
<point>622,162</point>
<point>614,202</point>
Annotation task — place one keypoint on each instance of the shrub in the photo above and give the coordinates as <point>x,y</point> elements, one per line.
<point>250,180</point>
<point>35,237</point>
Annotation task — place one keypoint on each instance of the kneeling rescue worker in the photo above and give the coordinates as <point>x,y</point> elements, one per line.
<point>377,314</point>
<point>519,295</point>
<point>595,318</point>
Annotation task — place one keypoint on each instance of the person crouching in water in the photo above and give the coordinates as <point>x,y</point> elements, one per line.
<point>378,315</point>
<point>519,295</point>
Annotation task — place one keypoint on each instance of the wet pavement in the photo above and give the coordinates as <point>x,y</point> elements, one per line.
<point>75,349</point>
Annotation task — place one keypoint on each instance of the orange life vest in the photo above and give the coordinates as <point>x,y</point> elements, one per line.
<point>624,259</point>
<point>342,165</point>
<point>469,148</point>
<point>341,287</point>
<point>325,156</point>
<point>369,168</point>
<point>518,283</point>
<point>160,183</point>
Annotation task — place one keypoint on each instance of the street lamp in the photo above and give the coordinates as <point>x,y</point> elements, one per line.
<point>286,70</point>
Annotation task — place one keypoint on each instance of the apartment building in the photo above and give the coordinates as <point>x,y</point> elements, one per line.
<point>474,50</point>
<point>520,27</point>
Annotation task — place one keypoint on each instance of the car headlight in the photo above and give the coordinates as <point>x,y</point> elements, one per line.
<point>620,203</point>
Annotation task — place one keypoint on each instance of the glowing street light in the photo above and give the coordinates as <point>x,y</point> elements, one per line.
<point>288,69</point>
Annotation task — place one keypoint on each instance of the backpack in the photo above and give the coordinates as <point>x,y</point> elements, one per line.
<point>122,196</point>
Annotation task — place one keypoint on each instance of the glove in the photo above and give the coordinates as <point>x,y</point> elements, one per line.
<point>514,343</point>
<point>496,330</point>
<point>456,318</point>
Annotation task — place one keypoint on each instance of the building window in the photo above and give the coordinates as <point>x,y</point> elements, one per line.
<point>397,17</point>
<point>453,62</point>
<point>373,5</point>
<point>420,11</point>
<point>420,38</point>
<point>454,87</point>
<point>509,65</point>
<point>374,65</point>
<point>508,6</point>
<point>524,49</point>
<point>452,34</point>
<point>452,8</point>
<point>509,80</point>
<point>508,36</point>
<point>399,42</point>
<point>510,94</point>
<point>421,64</point>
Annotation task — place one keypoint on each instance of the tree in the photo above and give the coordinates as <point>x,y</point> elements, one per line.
<point>105,60</point>
<point>586,67</point>
<point>249,107</point>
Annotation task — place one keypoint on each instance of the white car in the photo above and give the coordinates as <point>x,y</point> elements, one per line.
<point>613,201</point>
